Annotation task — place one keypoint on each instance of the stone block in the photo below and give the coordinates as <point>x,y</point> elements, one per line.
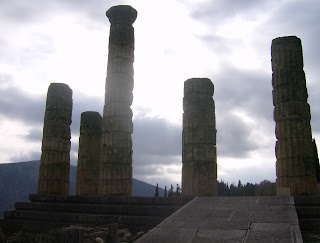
<point>116,155</point>
<point>295,77</point>
<point>117,110</point>
<point>120,65</point>
<point>56,116</point>
<point>195,86</point>
<point>286,53</point>
<point>199,153</point>
<point>124,80</point>
<point>198,118</point>
<point>199,179</point>
<point>295,167</point>
<point>117,139</point>
<point>287,93</point>
<point>121,36</point>
<point>88,163</point>
<point>54,171</point>
<point>59,97</point>
<point>55,157</point>
<point>199,135</point>
<point>299,185</point>
<point>294,148</point>
<point>53,186</point>
<point>57,130</point>
<point>116,171</point>
<point>293,128</point>
<point>291,110</point>
<point>56,144</point>
<point>198,103</point>
<point>117,124</point>
<point>119,94</point>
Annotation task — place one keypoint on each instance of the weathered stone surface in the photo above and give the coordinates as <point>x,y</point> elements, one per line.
<point>294,151</point>
<point>230,219</point>
<point>55,158</point>
<point>116,144</point>
<point>199,155</point>
<point>87,181</point>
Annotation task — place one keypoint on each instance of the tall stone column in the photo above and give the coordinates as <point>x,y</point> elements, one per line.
<point>294,151</point>
<point>55,158</point>
<point>87,182</point>
<point>199,154</point>
<point>116,151</point>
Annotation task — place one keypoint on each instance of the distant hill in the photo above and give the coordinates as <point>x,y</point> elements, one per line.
<point>18,180</point>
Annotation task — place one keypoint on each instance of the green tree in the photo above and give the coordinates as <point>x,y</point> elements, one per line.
<point>157,191</point>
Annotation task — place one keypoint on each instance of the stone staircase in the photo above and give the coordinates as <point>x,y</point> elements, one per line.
<point>308,211</point>
<point>46,212</point>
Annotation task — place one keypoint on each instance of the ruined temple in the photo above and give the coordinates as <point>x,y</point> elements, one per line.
<point>55,157</point>
<point>294,167</point>
<point>199,154</point>
<point>103,201</point>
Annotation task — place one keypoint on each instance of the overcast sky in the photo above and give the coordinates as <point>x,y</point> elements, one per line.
<point>227,41</point>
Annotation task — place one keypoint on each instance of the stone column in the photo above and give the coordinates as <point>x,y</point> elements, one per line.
<point>294,152</point>
<point>87,182</point>
<point>199,154</point>
<point>116,151</point>
<point>55,158</point>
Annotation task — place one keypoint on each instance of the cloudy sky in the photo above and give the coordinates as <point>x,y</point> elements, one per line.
<point>227,41</point>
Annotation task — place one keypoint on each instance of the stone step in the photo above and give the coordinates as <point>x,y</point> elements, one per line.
<point>307,200</point>
<point>137,210</point>
<point>309,225</point>
<point>111,200</point>
<point>78,218</point>
<point>10,226</point>
<point>308,212</point>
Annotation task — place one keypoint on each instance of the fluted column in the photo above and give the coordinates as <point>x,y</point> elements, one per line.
<point>294,167</point>
<point>87,182</point>
<point>54,169</point>
<point>199,154</point>
<point>116,150</point>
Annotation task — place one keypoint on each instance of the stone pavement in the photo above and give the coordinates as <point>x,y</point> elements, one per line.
<point>230,219</point>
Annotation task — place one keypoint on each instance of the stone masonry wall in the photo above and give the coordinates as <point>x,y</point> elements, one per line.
<point>87,182</point>
<point>55,158</point>
<point>116,150</point>
<point>199,154</point>
<point>294,151</point>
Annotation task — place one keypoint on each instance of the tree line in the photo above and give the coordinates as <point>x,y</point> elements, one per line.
<point>264,188</point>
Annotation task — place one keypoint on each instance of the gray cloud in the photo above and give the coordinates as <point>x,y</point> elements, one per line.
<point>156,137</point>
<point>16,104</point>
<point>219,11</point>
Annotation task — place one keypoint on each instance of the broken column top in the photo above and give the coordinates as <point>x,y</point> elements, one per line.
<point>122,14</point>
<point>286,53</point>
<point>198,86</point>
<point>59,96</point>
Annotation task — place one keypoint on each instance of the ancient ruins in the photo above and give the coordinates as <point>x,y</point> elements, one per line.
<point>55,158</point>
<point>116,149</point>
<point>88,167</point>
<point>199,154</point>
<point>294,167</point>
<point>103,197</point>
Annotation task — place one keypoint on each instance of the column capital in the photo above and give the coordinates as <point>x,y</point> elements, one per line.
<point>122,14</point>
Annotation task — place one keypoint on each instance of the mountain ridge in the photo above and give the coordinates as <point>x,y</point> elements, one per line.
<point>18,180</point>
